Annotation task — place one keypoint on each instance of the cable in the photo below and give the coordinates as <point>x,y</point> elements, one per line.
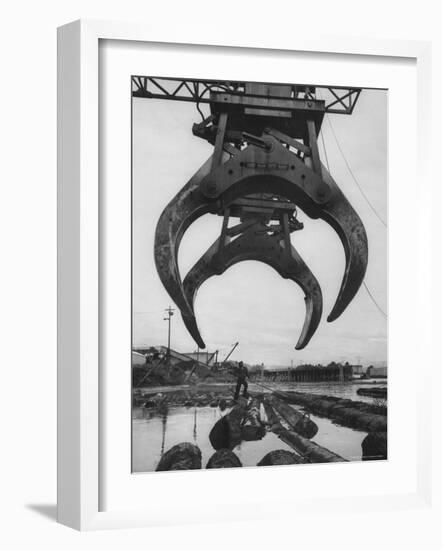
<point>323,140</point>
<point>199,110</point>
<point>353,176</point>
<point>363,194</point>
<point>325,150</point>
<point>373,300</point>
<point>207,89</point>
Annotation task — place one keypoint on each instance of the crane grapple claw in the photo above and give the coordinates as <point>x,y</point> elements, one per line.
<point>267,167</point>
<point>278,170</point>
<point>259,244</point>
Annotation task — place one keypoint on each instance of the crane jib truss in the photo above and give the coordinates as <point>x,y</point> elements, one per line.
<point>333,99</point>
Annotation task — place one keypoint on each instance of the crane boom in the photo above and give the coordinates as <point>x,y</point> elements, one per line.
<point>336,99</point>
<point>230,353</point>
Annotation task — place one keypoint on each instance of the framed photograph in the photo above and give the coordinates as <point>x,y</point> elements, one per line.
<point>232,273</point>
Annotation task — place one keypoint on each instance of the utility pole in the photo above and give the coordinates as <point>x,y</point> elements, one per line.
<point>169,311</point>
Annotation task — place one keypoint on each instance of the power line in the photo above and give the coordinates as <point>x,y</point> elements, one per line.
<point>323,140</point>
<point>374,300</point>
<point>353,176</point>
<point>328,167</point>
<point>325,150</point>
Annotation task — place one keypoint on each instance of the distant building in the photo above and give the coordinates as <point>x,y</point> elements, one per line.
<point>154,364</point>
<point>376,372</point>
<point>283,374</point>
<point>154,353</point>
<point>311,373</point>
<point>138,358</point>
<point>357,370</point>
<point>205,357</point>
<point>256,372</point>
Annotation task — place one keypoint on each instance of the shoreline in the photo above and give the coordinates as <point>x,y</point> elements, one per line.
<point>222,384</point>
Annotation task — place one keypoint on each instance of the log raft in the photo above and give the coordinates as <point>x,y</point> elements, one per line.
<point>310,451</point>
<point>380,393</point>
<point>183,398</point>
<point>346,412</point>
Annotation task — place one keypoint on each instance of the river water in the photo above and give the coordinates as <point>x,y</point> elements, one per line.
<point>344,390</point>
<point>153,434</point>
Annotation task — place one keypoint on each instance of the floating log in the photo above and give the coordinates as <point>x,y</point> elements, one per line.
<point>310,451</point>
<point>242,423</point>
<point>272,418</point>
<point>380,393</point>
<point>374,446</point>
<point>280,457</point>
<point>299,422</point>
<point>219,435</point>
<point>346,412</point>
<point>226,433</point>
<point>184,456</point>
<point>252,428</point>
<point>183,398</point>
<point>224,458</point>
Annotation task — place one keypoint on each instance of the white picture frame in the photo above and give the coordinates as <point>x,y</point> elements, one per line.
<point>79,271</point>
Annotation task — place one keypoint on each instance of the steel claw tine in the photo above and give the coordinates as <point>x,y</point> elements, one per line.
<point>256,244</point>
<point>339,213</point>
<point>187,206</point>
<point>313,299</point>
<point>204,268</point>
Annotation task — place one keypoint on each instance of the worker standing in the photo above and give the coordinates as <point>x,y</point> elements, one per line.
<point>242,375</point>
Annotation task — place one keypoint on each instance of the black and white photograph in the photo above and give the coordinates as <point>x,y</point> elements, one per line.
<point>259,273</point>
<point>221,266</point>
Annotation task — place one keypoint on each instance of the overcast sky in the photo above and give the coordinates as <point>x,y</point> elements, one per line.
<point>250,303</point>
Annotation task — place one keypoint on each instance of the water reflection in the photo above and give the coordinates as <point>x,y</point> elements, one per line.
<point>153,434</point>
<point>164,426</point>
